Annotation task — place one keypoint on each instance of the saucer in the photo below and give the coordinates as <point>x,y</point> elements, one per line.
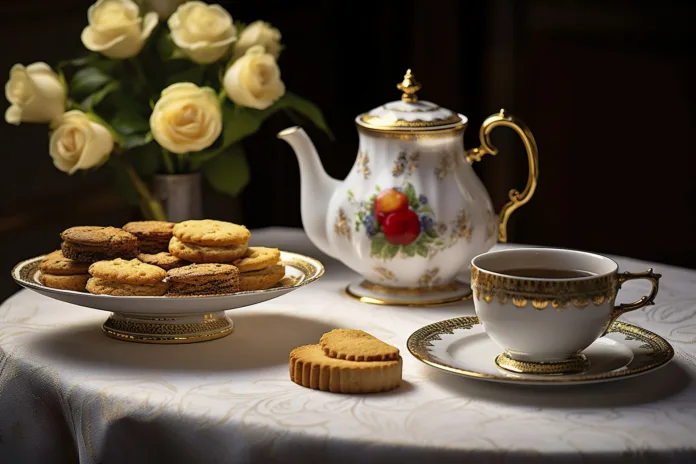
<point>372,293</point>
<point>461,346</point>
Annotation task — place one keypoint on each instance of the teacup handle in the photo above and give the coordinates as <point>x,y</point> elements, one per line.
<point>517,199</point>
<point>624,277</point>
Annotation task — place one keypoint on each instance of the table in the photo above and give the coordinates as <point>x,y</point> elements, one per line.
<point>68,393</point>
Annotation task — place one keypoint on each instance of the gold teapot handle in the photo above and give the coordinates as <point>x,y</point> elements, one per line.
<point>517,199</point>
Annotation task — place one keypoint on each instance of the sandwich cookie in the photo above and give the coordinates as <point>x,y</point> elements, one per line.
<point>94,243</point>
<point>153,236</point>
<point>203,279</point>
<point>57,271</point>
<point>120,277</point>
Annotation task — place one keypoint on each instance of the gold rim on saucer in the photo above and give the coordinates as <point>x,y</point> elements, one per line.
<point>659,353</point>
<point>573,365</point>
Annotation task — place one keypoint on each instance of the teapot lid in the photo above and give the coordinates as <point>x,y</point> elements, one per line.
<point>409,113</point>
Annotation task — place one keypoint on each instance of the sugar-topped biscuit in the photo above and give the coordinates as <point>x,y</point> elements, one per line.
<point>356,345</point>
<point>257,258</point>
<point>311,368</point>
<point>209,232</point>
<point>132,272</point>
<point>105,287</point>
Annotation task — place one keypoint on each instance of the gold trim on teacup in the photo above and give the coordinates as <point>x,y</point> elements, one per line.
<point>558,294</point>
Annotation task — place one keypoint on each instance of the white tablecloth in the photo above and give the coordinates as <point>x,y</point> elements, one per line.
<point>68,393</point>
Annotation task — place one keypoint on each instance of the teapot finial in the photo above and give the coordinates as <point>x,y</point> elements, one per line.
<point>409,86</point>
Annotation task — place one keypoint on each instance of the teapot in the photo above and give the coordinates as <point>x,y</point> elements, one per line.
<point>411,214</point>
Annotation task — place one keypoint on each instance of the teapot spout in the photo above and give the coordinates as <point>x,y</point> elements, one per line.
<point>316,187</point>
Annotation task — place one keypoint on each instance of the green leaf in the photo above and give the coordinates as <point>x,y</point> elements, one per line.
<point>389,251</point>
<point>305,108</point>
<point>86,81</point>
<point>136,140</point>
<point>129,121</point>
<point>378,243</point>
<point>422,250</point>
<point>439,243</point>
<point>431,232</point>
<point>410,193</point>
<point>377,189</point>
<point>228,172</point>
<point>410,250</point>
<point>94,99</point>
<point>165,47</point>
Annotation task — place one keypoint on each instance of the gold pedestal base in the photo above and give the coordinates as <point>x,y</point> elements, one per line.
<point>574,365</point>
<point>168,329</point>
<point>372,293</point>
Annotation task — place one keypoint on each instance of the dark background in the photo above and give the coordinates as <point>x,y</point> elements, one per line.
<point>607,88</point>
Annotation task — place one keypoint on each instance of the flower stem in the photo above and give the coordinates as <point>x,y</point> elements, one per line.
<point>167,161</point>
<point>152,205</point>
<point>182,162</point>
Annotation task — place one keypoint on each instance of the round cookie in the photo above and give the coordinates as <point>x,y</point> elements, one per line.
<point>95,243</point>
<point>262,279</point>
<point>257,258</point>
<point>205,254</point>
<point>165,260</point>
<point>209,232</point>
<point>203,279</point>
<point>104,287</point>
<point>153,236</point>
<point>154,230</point>
<point>356,345</point>
<point>75,282</point>
<point>57,264</point>
<point>133,272</point>
<point>310,368</point>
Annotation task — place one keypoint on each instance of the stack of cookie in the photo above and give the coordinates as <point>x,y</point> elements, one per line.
<point>197,257</point>
<point>347,361</point>
<point>120,277</point>
<point>260,268</point>
<point>57,271</point>
<point>209,241</point>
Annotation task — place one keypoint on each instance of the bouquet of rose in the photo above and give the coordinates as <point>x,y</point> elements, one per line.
<point>151,97</point>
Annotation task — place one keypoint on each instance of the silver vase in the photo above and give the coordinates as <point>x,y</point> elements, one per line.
<point>180,195</point>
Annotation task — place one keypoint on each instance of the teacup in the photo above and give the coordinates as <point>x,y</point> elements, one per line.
<point>544,306</point>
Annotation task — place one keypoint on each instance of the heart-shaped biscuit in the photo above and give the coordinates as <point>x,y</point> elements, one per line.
<point>356,345</point>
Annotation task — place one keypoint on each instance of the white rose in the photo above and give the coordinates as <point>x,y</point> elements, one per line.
<point>116,29</point>
<point>35,94</point>
<point>258,33</point>
<point>186,118</point>
<point>79,143</point>
<point>254,79</point>
<point>202,32</point>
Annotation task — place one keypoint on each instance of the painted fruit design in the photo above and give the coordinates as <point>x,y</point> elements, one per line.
<point>399,222</point>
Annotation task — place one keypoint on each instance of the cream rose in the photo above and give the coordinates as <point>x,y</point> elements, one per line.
<point>186,118</point>
<point>254,79</point>
<point>258,33</point>
<point>35,94</point>
<point>79,143</point>
<point>116,29</point>
<point>202,32</point>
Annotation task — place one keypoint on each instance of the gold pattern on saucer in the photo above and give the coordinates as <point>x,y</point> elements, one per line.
<point>517,199</point>
<point>410,87</point>
<point>558,294</point>
<point>341,227</point>
<point>658,353</point>
<point>574,365</point>
<point>167,330</point>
